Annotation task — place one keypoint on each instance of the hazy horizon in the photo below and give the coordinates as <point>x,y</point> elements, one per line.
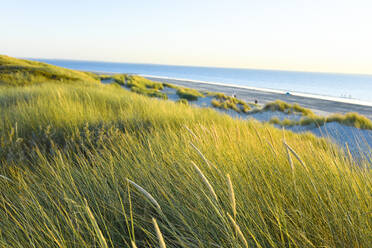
<point>289,35</point>
<point>197,66</point>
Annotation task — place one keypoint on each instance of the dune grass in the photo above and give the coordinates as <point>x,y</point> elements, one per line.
<point>188,94</point>
<point>93,165</point>
<point>117,78</point>
<point>281,106</point>
<point>138,84</point>
<point>223,101</point>
<point>349,119</point>
<point>169,85</point>
<point>183,101</point>
<point>70,152</point>
<point>18,72</point>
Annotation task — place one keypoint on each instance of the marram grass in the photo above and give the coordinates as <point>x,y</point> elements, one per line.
<point>349,119</point>
<point>91,165</point>
<point>68,149</point>
<point>19,72</point>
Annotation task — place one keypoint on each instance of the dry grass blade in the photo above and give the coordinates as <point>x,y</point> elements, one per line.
<point>191,132</point>
<point>295,154</point>
<point>98,231</point>
<point>201,154</point>
<point>205,180</point>
<point>158,233</point>
<point>348,152</point>
<point>289,156</point>
<point>147,194</point>
<point>231,195</point>
<point>133,244</point>
<point>238,231</point>
<point>6,178</point>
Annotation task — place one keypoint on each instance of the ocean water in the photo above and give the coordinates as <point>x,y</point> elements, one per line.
<point>344,86</point>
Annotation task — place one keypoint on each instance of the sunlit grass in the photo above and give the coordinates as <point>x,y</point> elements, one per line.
<point>93,165</point>
<point>189,94</point>
<point>225,102</point>
<point>24,72</point>
<point>69,161</point>
<point>281,106</point>
<point>349,119</point>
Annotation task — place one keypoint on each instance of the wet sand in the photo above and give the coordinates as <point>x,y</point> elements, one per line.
<point>319,106</point>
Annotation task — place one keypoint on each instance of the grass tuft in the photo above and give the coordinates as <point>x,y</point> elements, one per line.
<point>189,94</point>
<point>350,119</point>
<point>183,101</point>
<point>287,108</point>
<point>225,102</point>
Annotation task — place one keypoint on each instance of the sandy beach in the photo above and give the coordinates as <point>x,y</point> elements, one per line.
<point>319,106</point>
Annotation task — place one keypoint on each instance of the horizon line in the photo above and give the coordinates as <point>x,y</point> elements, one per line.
<point>203,66</point>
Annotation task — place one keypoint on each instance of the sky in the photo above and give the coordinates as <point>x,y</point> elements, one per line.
<point>302,35</point>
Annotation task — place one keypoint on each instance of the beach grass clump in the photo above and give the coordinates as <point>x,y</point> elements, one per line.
<point>18,72</point>
<point>117,78</point>
<point>120,78</point>
<point>172,86</point>
<point>183,101</point>
<point>275,120</point>
<point>349,119</point>
<point>217,104</point>
<point>285,122</point>
<point>144,86</point>
<point>352,119</point>
<point>148,92</point>
<point>141,82</point>
<point>189,94</point>
<point>299,109</point>
<point>226,105</point>
<point>225,102</point>
<point>315,120</point>
<point>281,106</point>
<point>87,165</point>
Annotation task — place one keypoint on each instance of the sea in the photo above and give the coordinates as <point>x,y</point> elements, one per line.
<point>354,88</point>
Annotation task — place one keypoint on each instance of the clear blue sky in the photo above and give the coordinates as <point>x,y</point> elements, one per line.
<point>308,35</point>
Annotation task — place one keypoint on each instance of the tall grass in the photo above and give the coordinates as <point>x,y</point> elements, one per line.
<point>19,72</point>
<point>69,149</point>
<point>281,106</point>
<point>349,119</point>
<point>223,101</point>
<point>188,94</point>
<point>138,84</point>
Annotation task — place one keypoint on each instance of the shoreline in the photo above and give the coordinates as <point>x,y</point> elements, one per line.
<point>321,105</point>
<point>293,93</point>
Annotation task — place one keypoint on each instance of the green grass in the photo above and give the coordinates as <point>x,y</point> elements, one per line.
<point>349,119</point>
<point>286,108</point>
<point>138,84</point>
<point>223,101</point>
<point>18,72</point>
<point>67,150</point>
<point>117,78</point>
<point>171,86</point>
<point>225,105</point>
<point>141,82</point>
<point>189,94</point>
<point>352,119</point>
<point>183,101</point>
<point>309,118</point>
<point>94,137</point>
